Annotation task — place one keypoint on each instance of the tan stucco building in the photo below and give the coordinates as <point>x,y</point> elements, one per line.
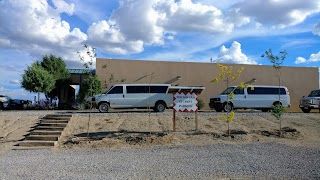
<point>299,80</point>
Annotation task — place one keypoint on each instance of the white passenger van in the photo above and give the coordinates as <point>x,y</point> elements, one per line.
<point>128,96</point>
<point>259,97</point>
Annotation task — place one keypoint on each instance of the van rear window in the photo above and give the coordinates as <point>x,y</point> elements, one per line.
<point>266,90</point>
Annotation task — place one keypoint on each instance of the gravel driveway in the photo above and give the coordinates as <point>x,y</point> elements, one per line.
<point>246,161</point>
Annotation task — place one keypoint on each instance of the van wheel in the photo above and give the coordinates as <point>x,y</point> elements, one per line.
<point>104,107</point>
<point>306,110</point>
<point>227,107</point>
<point>277,104</point>
<point>264,110</point>
<point>160,106</point>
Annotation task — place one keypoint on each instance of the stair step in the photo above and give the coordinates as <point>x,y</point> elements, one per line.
<point>59,115</point>
<point>42,137</point>
<point>39,132</point>
<point>36,143</point>
<point>18,148</point>
<point>45,133</point>
<point>53,124</point>
<point>56,118</point>
<point>53,121</point>
<point>49,128</point>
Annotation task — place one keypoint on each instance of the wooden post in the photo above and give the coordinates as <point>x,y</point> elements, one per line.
<point>174,116</point>
<point>174,120</point>
<point>196,114</point>
<point>196,119</point>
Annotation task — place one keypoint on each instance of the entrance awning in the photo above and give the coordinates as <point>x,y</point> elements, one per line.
<point>195,89</point>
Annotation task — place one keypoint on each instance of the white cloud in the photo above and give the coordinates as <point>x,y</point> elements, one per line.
<point>149,22</point>
<point>233,55</point>
<point>62,6</point>
<point>312,58</point>
<point>14,81</point>
<point>38,28</point>
<point>300,60</point>
<point>278,13</point>
<point>186,16</point>
<point>107,37</point>
<point>237,18</point>
<point>316,29</point>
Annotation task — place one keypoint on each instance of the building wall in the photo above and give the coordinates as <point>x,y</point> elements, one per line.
<point>299,80</point>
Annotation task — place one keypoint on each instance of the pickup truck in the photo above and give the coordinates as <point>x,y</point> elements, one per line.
<point>312,101</point>
<point>7,102</point>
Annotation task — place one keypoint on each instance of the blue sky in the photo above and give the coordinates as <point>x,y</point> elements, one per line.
<point>228,31</point>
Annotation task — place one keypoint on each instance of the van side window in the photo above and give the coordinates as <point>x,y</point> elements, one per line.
<point>147,89</point>
<point>266,90</point>
<point>238,91</point>
<point>116,90</point>
<point>137,89</point>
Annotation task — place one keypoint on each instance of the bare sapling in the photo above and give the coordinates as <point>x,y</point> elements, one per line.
<point>277,109</point>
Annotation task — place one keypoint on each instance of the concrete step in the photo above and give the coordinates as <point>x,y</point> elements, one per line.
<point>49,128</point>
<point>57,118</point>
<point>36,143</point>
<point>43,132</point>
<point>17,148</point>
<point>53,121</point>
<point>53,124</point>
<point>62,115</point>
<point>42,137</point>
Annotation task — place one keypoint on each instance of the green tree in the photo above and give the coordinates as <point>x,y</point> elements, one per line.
<point>277,109</point>
<point>56,66</point>
<point>90,86</point>
<point>36,79</point>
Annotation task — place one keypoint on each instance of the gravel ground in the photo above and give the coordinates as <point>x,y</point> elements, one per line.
<point>246,161</point>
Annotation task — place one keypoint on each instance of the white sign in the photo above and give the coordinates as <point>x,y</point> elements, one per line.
<point>185,102</point>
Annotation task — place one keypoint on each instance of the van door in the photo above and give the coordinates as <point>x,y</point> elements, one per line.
<point>261,97</point>
<point>116,97</point>
<point>239,98</point>
<point>137,95</point>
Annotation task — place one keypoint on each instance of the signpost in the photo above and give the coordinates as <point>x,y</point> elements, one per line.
<point>185,99</point>
<point>185,102</point>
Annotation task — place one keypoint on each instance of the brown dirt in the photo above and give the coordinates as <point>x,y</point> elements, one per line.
<point>123,130</point>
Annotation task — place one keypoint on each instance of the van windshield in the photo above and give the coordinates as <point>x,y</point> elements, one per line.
<point>315,93</point>
<point>228,90</point>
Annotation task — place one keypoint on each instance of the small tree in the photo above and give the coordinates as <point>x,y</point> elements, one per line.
<point>56,66</point>
<point>228,75</point>
<point>36,79</point>
<point>111,78</point>
<point>90,86</point>
<point>87,90</point>
<point>277,109</point>
<point>91,80</point>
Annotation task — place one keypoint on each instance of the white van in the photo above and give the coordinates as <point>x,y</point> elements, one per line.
<point>259,97</point>
<point>128,96</point>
